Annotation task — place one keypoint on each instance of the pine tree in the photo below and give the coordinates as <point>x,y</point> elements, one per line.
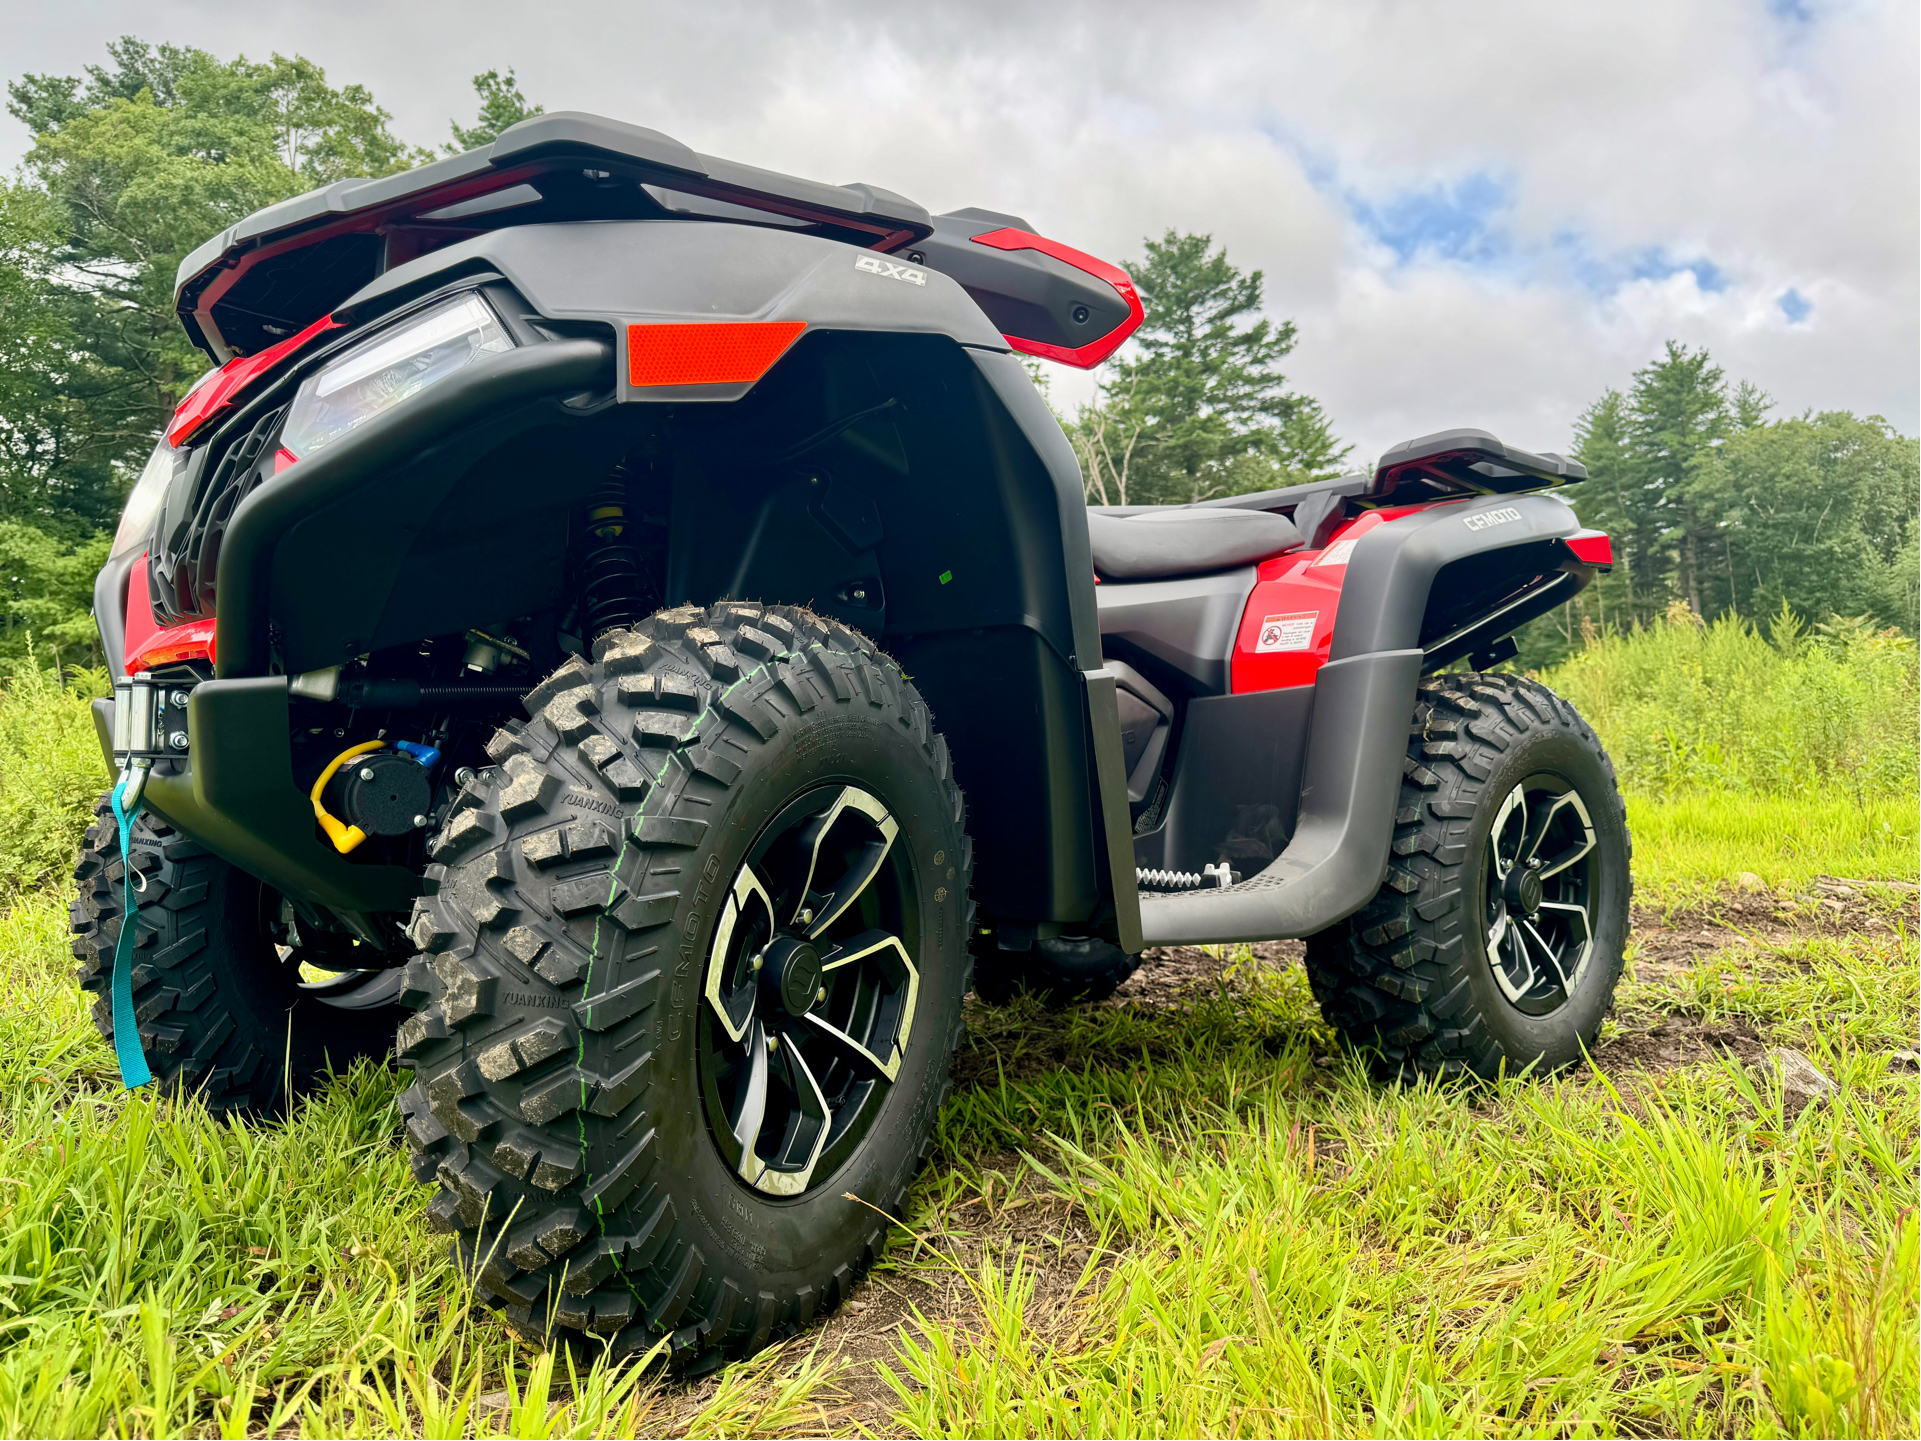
<point>1678,415</point>
<point>1203,400</point>
<point>1610,500</point>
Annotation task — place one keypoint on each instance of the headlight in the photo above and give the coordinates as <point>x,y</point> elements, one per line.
<point>144,499</point>
<point>373,378</point>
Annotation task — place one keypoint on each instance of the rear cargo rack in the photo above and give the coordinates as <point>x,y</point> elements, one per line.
<point>273,273</point>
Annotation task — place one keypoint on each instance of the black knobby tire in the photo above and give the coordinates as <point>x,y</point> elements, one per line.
<point>223,1014</point>
<point>1060,971</point>
<point>1426,978</point>
<point>567,1051</point>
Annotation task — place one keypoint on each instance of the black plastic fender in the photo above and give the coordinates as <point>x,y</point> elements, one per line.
<point>1391,573</point>
<point>1363,700</point>
<point>469,411</point>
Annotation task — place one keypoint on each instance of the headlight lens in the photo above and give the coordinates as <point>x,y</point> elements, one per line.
<point>373,378</point>
<point>144,499</point>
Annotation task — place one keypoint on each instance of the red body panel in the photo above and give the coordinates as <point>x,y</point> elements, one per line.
<point>1593,546</point>
<point>150,645</point>
<point>1288,626</point>
<point>1287,629</point>
<point>208,400</point>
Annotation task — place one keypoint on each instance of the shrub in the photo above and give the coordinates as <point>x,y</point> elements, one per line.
<point>1683,706</point>
<point>50,771</point>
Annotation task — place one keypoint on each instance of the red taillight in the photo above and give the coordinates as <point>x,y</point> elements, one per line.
<point>1592,546</point>
<point>202,404</point>
<point>1095,351</point>
<point>707,353</point>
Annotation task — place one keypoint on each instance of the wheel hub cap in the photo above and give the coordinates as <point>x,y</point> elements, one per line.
<point>810,990</point>
<point>1522,890</point>
<point>1539,887</point>
<point>791,975</point>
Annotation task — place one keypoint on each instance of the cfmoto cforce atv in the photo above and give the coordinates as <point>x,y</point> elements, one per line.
<point>620,631</point>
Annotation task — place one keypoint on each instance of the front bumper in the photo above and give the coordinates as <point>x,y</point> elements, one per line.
<point>234,792</point>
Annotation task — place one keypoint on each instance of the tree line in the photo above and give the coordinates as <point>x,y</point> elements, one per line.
<point>135,162</point>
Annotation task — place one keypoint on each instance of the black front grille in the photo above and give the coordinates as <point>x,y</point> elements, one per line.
<point>186,557</point>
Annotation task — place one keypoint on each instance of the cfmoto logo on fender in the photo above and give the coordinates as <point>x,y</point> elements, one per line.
<point>874,265</point>
<point>1486,518</point>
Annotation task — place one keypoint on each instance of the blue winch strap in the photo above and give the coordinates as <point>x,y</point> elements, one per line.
<point>126,1025</point>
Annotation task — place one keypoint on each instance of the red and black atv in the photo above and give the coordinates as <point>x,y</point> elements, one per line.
<point>516,632</point>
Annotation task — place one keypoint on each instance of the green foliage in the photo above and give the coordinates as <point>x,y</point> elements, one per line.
<point>1684,706</point>
<point>131,168</point>
<point>501,105</point>
<point>50,472</point>
<point>51,773</point>
<point>1818,514</point>
<point>1202,408</point>
<point>1712,504</point>
<point>47,591</point>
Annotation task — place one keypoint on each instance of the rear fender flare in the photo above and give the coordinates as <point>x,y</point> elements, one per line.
<point>1390,577</point>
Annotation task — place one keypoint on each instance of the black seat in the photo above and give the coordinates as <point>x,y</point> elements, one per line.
<point>1177,540</point>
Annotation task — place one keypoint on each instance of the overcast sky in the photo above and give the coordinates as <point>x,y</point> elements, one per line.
<point>1478,214</point>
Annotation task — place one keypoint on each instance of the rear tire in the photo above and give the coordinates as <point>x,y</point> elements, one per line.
<point>1446,973</point>
<point>1060,971</point>
<point>223,1015</point>
<point>614,916</point>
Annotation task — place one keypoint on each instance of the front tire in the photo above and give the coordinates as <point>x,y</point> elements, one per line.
<point>225,1014</point>
<point>695,952</point>
<point>1496,940</point>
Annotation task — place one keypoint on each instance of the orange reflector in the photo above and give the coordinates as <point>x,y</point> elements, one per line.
<point>714,353</point>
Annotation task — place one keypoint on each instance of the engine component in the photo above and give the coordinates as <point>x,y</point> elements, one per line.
<point>1168,880</point>
<point>485,652</point>
<point>378,694</point>
<point>381,792</point>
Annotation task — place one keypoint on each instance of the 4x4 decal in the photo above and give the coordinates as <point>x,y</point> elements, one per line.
<point>893,270</point>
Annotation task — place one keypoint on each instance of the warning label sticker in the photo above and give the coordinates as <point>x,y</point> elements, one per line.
<point>1337,553</point>
<point>1287,632</point>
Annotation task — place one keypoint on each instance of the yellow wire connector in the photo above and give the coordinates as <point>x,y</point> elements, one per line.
<point>344,837</point>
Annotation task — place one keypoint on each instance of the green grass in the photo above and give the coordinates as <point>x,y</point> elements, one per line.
<point>1291,1250</point>
<point>1686,708</point>
<point>1689,846</point>
<point>1283,1247</point>
<point>1279,1246</point>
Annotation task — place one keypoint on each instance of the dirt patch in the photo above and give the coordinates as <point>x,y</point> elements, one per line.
<point>1027,1038</point>
<point>1832,907</point>
<point>933,1280</point>
<point>1678,1041</point>
<point>1169,976</point>
<point>1669,944</point>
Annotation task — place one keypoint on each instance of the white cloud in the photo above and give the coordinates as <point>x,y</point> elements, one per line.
<point>1780,150</point>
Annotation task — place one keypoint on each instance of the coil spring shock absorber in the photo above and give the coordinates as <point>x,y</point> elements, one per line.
<point>611,588</point>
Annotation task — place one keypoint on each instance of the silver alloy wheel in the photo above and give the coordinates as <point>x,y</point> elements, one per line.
<point>1537,892</point>
<point>810,989</point>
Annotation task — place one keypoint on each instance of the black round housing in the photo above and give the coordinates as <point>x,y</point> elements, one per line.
<point>381,793</point>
